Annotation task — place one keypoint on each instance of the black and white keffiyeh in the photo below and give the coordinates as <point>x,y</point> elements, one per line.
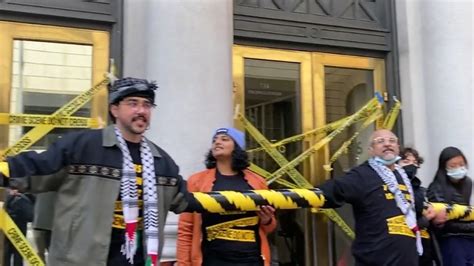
<point>406,207</point>
<point>129,195</point>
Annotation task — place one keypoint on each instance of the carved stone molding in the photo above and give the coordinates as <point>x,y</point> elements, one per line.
<point>96,10</point>
<point>347,23</point>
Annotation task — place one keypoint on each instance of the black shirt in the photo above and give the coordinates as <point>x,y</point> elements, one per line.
<point>226,249</point>
<point>116,258</point>
<point>380,239</point>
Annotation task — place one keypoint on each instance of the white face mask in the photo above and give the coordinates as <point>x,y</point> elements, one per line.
<point>457,173</point>
<point>387,162</point>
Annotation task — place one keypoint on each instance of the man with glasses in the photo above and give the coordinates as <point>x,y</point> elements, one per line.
<point>114,186</point>
<point>383,204</point>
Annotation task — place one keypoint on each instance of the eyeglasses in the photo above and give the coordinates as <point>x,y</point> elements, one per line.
<point>381,140</point>
<point>135,104</point>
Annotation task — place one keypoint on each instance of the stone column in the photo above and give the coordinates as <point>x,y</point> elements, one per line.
<point>186,46</point>
<point>436,74</point>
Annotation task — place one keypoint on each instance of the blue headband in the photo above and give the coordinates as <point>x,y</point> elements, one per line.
<point>237,135</point>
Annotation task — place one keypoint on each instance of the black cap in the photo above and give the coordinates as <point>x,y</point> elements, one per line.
<point>127,87</point>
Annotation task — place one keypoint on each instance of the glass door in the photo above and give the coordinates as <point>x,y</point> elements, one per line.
<point>285,93</point>
<point>274,90</point>
<point>344,84</point>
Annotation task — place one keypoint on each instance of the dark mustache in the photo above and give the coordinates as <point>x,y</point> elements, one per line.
<point>139,117</point>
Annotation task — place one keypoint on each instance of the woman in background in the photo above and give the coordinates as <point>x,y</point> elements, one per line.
<point>452,185</point>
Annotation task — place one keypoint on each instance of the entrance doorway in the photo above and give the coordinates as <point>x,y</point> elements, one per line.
<point>284,93</point>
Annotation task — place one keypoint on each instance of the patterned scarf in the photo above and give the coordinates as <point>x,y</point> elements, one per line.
<point>129,194</point>
<point>407,207</point>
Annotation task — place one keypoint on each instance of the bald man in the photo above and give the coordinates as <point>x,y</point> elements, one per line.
<point>383,203</point>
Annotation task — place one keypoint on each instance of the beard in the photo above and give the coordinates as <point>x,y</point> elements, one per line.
<point>136,126</point>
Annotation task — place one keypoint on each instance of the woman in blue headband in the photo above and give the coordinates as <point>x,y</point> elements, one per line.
<point>210,239</point>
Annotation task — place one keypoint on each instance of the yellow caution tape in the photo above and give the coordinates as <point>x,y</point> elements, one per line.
<point>241,235</point>
<point>392,116</point>
<point>263,173</point>
<point>397,225</point>
<point>345,146</point>
<point>230,201</point>
<point>300,158</point>
<point>326,129</point>
<point>242,222</point>
<point>39,131</point>
<point>372,110</point>
<point>379,122</point>
<point>334,216</point>
<point>370,107</point>
<point>225,230</point>
<point>424,234</point>
<point>30,120</point>
<point>18,240</point>
<point>459,212</point>
<point>299,180</point>
<point>4,169</point>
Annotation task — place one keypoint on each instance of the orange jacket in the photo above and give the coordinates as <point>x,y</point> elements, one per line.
<point>189,227</point>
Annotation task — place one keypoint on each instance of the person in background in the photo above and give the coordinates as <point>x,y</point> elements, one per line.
<point>452,185</point>
<point>411,161</point>
<point>238,239</point>
<point>20,207</point>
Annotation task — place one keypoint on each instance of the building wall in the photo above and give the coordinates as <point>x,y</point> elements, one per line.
<point>186,46</point>
<point>436,77</point>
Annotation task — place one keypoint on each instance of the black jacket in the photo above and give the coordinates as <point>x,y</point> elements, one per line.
<point>459,193</point>
<point>21,207</point>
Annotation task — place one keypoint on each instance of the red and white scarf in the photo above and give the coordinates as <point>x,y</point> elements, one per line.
<point>129,194</point>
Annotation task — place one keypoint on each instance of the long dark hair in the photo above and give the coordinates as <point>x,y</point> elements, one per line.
<point>240,159</point>
<point>443,180</point>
